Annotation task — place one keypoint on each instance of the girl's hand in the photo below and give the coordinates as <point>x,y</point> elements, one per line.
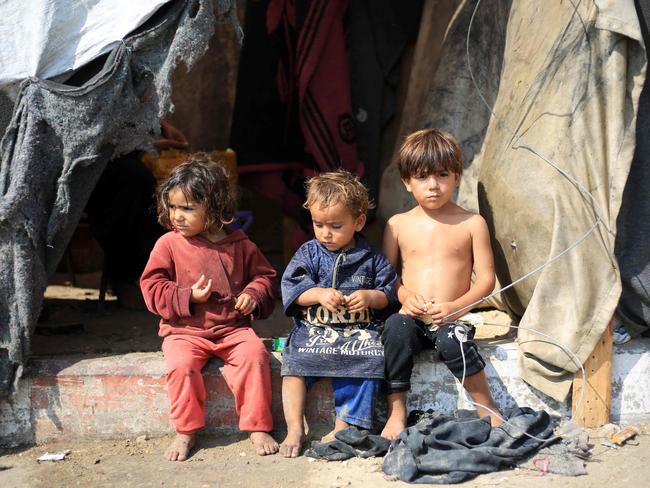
<point>441,312</point>
<point>245,304</point>
<point>201,290</point>
<point>415,305</point>
<point>331,299</point>
<point>358,300</point>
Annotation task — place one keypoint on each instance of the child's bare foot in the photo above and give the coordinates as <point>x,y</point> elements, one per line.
<point>394,427</point>
<point>264,443</point>
<point>180,447</point>
<point>292,444</point>
<point>396,416</point>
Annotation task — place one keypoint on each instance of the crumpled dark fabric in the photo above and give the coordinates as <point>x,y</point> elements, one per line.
<point>58,142</point>
<point>445,449</point>
<point>350,442</point>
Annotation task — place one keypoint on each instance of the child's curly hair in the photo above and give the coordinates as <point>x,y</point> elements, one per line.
<point>327,189</point>
<point>429,151</point>
<point>204,181</point>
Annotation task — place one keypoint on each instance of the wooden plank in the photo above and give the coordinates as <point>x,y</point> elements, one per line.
<point>597,401</point>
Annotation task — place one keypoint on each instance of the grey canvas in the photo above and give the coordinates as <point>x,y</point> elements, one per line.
<point>57,144</point>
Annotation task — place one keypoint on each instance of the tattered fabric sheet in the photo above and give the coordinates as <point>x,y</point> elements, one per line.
<point>567,92</point>
<point>316,86</point>
<point>442,449</point>
<point>57,144</point>
<point>293,108</point>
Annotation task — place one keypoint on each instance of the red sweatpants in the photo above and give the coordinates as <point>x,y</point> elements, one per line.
<point>246,370</point>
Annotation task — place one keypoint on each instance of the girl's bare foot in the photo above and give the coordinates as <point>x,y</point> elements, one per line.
<point>264,443</point>
<point>292,444</point>
<point>180,447</point>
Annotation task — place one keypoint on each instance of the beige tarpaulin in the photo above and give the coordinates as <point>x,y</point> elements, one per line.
<point>567,95</point>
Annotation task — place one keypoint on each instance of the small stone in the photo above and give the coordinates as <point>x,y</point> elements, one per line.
<point>242,454</point>
<point>96,461</point>
<point>142,438</point>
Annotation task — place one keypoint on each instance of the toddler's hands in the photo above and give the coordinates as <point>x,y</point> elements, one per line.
<point>415,305</point>
<point>245,304</point>
<point>441,312</point>
<point>331,299</point>
<point>358,300</point>
<point>201,290</point>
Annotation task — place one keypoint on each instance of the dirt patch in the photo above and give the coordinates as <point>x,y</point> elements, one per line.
<point>230,461</point>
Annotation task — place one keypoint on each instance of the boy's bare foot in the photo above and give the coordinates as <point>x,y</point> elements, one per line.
<point>180,447</point>
<point>264,443</point>
<point>394,427</point>
<point>292,444</point>
<point>396,416</point>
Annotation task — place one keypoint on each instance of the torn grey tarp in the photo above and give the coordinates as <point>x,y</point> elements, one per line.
<point>57,144</point>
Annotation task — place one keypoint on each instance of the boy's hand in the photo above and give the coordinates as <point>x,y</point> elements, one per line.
<point>415,305</point>
<point>358,300</point>
<point>331,299</point>
<point>245,304</point>
<point>201,290</point>
<point>441,312</point>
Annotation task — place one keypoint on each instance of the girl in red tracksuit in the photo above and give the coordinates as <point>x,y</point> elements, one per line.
<point>207,283</point>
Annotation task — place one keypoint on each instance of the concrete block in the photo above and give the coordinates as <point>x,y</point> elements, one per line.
<point>434,387</point>
<point>631,382</point>
<point>125,396</point>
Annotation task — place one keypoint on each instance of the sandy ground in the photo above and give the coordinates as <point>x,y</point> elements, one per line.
<point>231,462</point>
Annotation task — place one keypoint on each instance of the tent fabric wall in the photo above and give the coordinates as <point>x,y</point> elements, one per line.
<point>57,144</point>
<point>568,87</point>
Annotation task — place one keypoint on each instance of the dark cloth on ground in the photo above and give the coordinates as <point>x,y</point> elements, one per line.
<point>404,337</point>
<point>443,449</point>
<point>350,442</point>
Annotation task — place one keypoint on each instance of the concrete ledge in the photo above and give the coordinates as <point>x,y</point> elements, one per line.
<point>125,395</point>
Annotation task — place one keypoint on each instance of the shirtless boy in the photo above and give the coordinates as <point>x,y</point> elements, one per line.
<point>436,245</point>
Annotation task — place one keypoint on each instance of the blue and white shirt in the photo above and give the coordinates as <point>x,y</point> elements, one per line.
<point>342,344</point>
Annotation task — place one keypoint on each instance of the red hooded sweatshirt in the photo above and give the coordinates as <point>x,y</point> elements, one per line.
<point>235,266</point>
